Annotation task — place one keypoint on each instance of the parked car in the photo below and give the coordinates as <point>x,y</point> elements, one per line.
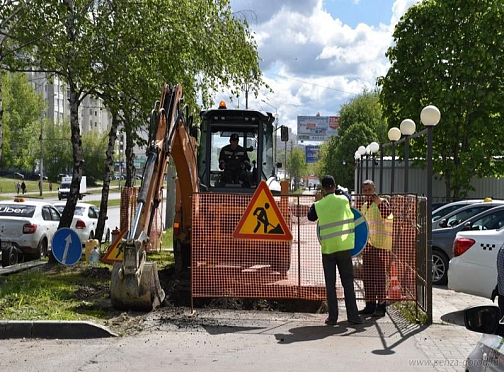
<point>85,221</point>
<point>443,210</point>
<point>473,268</point>
<point>488,354</point>
<point>442,239</point>
<point>463,213</point>
<point>26,229</point>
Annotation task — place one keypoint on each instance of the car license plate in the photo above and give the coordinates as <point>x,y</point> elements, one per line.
<point>6,244</point>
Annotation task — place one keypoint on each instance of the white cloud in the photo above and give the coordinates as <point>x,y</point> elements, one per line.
<point>306,51</point>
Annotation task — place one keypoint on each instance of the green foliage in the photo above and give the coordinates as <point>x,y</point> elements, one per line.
<point>297,164</point>
<point>21,122</point>
<point>365,108</point>
<point>94,145</point>
<point>338,155</point>
<point>57,149</point>
<point>461,74</point>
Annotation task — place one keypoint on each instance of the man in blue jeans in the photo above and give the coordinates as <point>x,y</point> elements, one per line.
<point>337,239</point>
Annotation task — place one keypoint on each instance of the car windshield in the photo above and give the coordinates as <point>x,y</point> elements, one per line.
<point>79,211</point>
<point>65,186</point>
<point>17,210</point>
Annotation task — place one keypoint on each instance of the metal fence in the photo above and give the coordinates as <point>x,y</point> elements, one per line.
<point>226,267</point>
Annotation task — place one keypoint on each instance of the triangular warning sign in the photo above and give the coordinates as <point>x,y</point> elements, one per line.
<point>114,253</point>
<point>262,219</point>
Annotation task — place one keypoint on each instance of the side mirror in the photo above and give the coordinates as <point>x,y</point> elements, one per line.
<point>443,222</point>
<point>482,319</point>
<point>279,164</point>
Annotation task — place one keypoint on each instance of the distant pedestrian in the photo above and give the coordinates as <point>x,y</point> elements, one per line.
<point>50,186</point>
<point>18,186</point>
<point>40,186</point>
<point>23,187</point>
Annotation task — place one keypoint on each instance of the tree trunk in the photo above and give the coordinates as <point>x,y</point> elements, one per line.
<point>109,167</point>
<point>1,119</point>
<point>128,125</point>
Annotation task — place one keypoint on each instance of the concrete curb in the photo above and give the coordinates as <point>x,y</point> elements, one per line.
<point>52,330</point>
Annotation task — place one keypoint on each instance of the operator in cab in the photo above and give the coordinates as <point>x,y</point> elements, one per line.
<point>235,163</point>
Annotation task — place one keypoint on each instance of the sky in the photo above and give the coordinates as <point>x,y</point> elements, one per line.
<point>317,54</point>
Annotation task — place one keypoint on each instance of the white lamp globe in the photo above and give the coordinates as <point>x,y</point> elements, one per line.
<point>374,147</point>
<point>368,150</point>
<point>361,150</point>
<point>357,155</point>
<point>394,134</point>
<point>408,127</point>
<point>430,116</point>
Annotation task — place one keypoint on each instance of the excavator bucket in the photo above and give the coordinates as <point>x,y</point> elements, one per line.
<point>136,292</point>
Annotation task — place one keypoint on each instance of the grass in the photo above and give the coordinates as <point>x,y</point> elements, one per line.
<point>9,185</point>
<point>58,292</point>
<point>408,311</point>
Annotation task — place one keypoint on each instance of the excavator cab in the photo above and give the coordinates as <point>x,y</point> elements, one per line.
<point>254,161</point>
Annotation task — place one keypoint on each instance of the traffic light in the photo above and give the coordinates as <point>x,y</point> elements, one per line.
<point>284,133</point>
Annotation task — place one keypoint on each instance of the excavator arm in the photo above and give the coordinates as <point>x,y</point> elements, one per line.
<point>135,282</point>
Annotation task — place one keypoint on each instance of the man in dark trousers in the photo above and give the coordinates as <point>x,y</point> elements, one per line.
<point>235,163</point>
<point>376,255</point>
<point>337,239</point>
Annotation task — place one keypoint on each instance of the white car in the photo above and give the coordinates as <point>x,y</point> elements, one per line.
<point>451,207</point>
<point>85,220</point>
<point>26,229</point>
<point>473,268</point>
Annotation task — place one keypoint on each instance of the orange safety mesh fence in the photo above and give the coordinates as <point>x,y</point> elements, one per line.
<point>127,215</point>
<point>227,267</point>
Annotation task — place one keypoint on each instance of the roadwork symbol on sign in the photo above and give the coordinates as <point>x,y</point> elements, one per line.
<point>262,219</point>
<point>114,252</point>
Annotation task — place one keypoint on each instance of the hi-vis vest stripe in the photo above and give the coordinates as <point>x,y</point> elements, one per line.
<point>380,229</point>
<point>335,224</point>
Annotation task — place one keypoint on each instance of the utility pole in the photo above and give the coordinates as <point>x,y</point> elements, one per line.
<point>41,180</point>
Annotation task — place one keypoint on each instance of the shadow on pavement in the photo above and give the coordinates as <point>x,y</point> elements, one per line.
<point>310,333</point>
<point>456,317</point>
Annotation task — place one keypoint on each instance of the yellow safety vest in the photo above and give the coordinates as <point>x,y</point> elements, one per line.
<point>380,229</point>
<point>335,224</point>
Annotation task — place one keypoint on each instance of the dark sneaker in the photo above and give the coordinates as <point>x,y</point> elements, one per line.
<point>369,309</point>
<point>331,321</point>
<point>379,312</point>
<point>355,321</point>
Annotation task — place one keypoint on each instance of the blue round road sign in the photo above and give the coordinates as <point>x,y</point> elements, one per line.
<point>66,246</point>
<point>361,232</point>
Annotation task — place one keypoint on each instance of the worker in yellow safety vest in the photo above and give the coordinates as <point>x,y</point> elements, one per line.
<point>337,238</point>
<point>376,255</point>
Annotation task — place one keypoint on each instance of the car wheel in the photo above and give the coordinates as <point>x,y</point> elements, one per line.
<point>41,249</point>
<point>439,268</point>
<point>107,237</point>
<point>59,197</point>
<point>10,256</point>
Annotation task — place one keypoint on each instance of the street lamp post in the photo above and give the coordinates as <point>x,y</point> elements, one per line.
<point>394,134</point>
<point>407,129</point>
<point>368,152</point>
<point>381,168</point>
<point>358,181</point>
<point>276,128</point>
<point>41,180</point>
<point>374,147</point>
<point>362,151</point>
<point>430,117</point>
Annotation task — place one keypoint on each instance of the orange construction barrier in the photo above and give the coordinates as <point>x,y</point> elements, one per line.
<point>394,292</point>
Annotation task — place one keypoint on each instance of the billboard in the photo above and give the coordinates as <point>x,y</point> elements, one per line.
<point>317,128</point>
<point>312,153</point>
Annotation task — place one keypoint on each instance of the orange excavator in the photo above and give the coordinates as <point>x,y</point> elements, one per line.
<point>195,151</point>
